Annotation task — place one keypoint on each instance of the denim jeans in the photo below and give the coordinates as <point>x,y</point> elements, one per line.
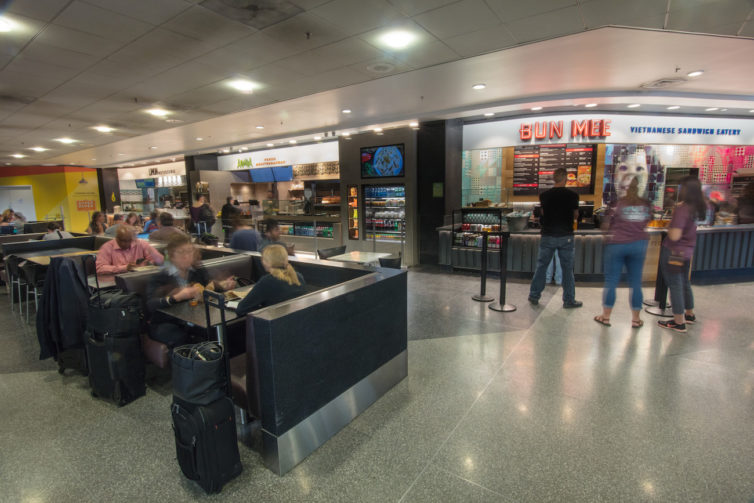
<point>548,245</point>
<point>681,297</point>
<point>632,256</point>
<point>554,271</point>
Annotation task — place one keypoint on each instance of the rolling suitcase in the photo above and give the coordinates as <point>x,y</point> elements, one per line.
<point>204,421</point>
<point>113,349</point>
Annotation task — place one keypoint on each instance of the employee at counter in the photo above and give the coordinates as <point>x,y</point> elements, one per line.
<point>272,236</point>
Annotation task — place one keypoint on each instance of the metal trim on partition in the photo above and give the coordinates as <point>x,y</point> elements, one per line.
<point>283,453</point>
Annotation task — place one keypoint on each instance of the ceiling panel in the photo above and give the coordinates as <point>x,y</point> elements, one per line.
<point>39,69</point>
<point>44,53</point>
<point>107,24</point>
<point>414,7</point>
<point>293,32</point>
<point>17,83</point>
<point>308,4</point>
<point>257,14</point>
<point>78,92</point>
<point>204,95</point>
<point>333,79</point>
<point>357,17</point>
<point>14,41</point>
<point>375,68</point>
<point>428,54</point>
<point>177,80</point>
<point>454,19</point>
<point>203,24</point>
<point>548,25</point>
<point>42,10</point>
<point>116,74</point>
<point>75,40</point>
<point>748,29</point>
<point>480,42</point>
<point>158,50</point>
<point>512,10</point>
<point>700,16</point>
<point>248,53</point>
<point>645,13</point>
<point>329,57</point>
<point>149,11</point>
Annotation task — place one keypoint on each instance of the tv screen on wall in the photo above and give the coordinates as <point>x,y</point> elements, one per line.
<point>382,161</point>
<point>261,175</point>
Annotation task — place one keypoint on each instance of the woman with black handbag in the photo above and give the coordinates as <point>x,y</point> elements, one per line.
<point>676,252</point>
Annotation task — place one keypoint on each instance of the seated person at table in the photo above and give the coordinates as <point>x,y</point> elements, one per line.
<point>244,237</point>
<point>272,236</point>
<point>117,224</point>
<point>166,229</point>
<point>182,278</point>
<point>97,226</point>
<point>55,232</point>
<point>125,252</point>
<point>281,283</point>
<point>151,225</point>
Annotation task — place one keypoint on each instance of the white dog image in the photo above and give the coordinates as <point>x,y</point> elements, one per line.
<point>634,164</point>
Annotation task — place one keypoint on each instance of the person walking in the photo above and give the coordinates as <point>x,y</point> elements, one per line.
<point>676,251</point>
<point>627,241</point>
<point>560,208</point>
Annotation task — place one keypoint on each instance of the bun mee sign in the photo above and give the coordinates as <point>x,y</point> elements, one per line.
<point>587,128</point>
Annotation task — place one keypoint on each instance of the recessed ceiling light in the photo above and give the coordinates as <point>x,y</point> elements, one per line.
<point>243,85</point>
<point>723,109</point>
<point>695,73</point>
<point>317,137</point>
<point>590,105</point>
<point>66,140</point>
<point>398,39</point>
<point>346,133</point>
<point>377,130</point>
<point>103,129</point>
<point>199,138</point>
<point>478,87</point>
<point>270,144</point>
<point>121,154</point>
<point>226,151</point>
<point>711,109</point>
<point>38,149</point>
<point>673,107</point>
<point>413,124</point>
<point>158,112</point>
<point>7,25</point>
<point>751,111</point>
<point>260,127</point>
<point>346,111</point>
<point>94,158</point>
<point>152,147</point>
<point>292,142</point>
<point>534,109</point>
<point>173,121</point>
<point>18,156</point>
<point>489,114</point>
<point>633,105</point>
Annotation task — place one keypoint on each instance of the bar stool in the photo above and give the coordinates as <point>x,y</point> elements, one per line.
<point>34,275</point>
<point>16,280</point>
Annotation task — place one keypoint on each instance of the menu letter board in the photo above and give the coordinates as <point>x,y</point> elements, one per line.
<point>525,168</point>
<point>533,167</point>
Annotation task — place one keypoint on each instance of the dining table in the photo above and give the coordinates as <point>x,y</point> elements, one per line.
<point>360,257</point>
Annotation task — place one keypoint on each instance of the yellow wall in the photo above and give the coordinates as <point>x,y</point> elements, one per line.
<point>56,188</point>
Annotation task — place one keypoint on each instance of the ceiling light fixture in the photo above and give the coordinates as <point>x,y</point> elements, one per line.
<point>38,149</point>
<point>346,111</point>
<point>673,107</point>
<point>152,147</point>
<point>270,144</point>
<point>260,127</point>
<point>633,105</point>
<point>398,39</point>
<point>66,140</point>
<point>199,138</point>
<point>695,73</point>
<point>292,142</point>
<point>590,105</point>
<point>103,129</point>
<point>377,130</point>
<point>535,109</point>
<point>158,112</point>
<point>711,109</point>
<point>478,87</point>
<point>723,109</point>
<point>346,133</point>
<point>6,25</point>
<point>751,111</point>
<point>413,124</point>
<point>317,137</point>
<point>18,156</point>
<point>489,114</point>
<point>243,85</point>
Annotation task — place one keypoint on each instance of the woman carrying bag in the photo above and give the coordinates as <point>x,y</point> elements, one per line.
<point>676,252</point>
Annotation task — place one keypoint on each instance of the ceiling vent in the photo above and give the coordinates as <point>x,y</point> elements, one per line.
<point>381,68</point>
<point>7,99</point>
<point>663,83</point>
<point>258,14</point>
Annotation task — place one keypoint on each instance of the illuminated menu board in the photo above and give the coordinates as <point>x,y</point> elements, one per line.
<point>533,166</point>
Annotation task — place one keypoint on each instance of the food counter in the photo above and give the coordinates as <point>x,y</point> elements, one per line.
<point>309,233</point>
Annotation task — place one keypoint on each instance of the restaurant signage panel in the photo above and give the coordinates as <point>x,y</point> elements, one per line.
<point>287,156</point>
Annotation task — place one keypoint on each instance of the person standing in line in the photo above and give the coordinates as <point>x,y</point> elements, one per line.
<point>244,237</point>
<point>202,215</point>
<point>626,245</point>
<point>560,208</point>
<point>677,249</point>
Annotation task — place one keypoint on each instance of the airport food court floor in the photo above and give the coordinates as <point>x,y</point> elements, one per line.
<point>541,404</point>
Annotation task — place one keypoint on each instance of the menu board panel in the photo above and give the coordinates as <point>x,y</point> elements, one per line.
<point>533,167</point>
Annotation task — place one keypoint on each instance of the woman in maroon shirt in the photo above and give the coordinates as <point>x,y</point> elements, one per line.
<point>627,246</point>
<point>676,251</point>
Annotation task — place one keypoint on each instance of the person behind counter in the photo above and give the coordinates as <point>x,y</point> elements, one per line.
<point>677,249</point>
<point>281,283</point>
<point>626,246</point>
<point>229,211</point>
<point>166,228</point>
<point>181,279</point>
<point>97,226</point>
<point>272,236</point>
<point>55,232</point>
<point>745,208</point>
<point>244,237</point>
<point>125,252</point>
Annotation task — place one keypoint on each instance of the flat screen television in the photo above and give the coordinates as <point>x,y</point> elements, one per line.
<point>382,161</point>
<point>145,183</point>
<point>261,175</point>
<point>282,173</point>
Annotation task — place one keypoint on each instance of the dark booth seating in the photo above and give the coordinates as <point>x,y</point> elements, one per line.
<point>315,362</point>
<point>326,253</point>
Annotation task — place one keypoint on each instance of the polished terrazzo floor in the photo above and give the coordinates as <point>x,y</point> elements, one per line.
<point>541,404</point>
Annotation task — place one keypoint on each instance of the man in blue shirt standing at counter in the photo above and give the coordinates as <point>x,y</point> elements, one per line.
<point>560,208</point>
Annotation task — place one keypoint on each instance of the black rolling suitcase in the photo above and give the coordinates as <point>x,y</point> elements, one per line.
<point>204,420</point>
<point>115,361</point>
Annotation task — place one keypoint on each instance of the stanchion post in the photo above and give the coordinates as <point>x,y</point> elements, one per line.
<point>502,306</point>
<point>482,297</point>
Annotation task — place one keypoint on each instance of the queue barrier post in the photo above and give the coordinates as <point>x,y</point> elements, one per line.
<point>502,306</point>
<point>482,296</point>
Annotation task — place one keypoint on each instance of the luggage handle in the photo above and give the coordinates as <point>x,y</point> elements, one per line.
<point>84,260</point>
<point>217,300</point>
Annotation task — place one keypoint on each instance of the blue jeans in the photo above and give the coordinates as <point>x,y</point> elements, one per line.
<point>681,297</point>
<point>548,245</point>
<point>554,271</point>
<point>632,256</point>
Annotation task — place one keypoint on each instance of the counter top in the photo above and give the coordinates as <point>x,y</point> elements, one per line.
<point>699,229</point>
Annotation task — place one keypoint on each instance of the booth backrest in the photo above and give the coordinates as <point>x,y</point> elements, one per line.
<point>239,266</point>
<point>210,252</point>
<point>100,240</point>
<point>321,275</point>
<point>41,226</point>
<point>84,242</point>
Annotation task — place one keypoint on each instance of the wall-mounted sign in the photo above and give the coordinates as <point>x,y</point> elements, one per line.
<point>287,156</point>
<point>157,170</point>
<point>607,128</point>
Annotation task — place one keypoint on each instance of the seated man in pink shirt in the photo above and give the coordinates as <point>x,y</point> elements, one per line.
<point>125,252</point>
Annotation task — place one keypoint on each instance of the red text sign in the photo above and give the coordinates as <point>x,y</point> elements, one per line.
<point>589,128</point>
